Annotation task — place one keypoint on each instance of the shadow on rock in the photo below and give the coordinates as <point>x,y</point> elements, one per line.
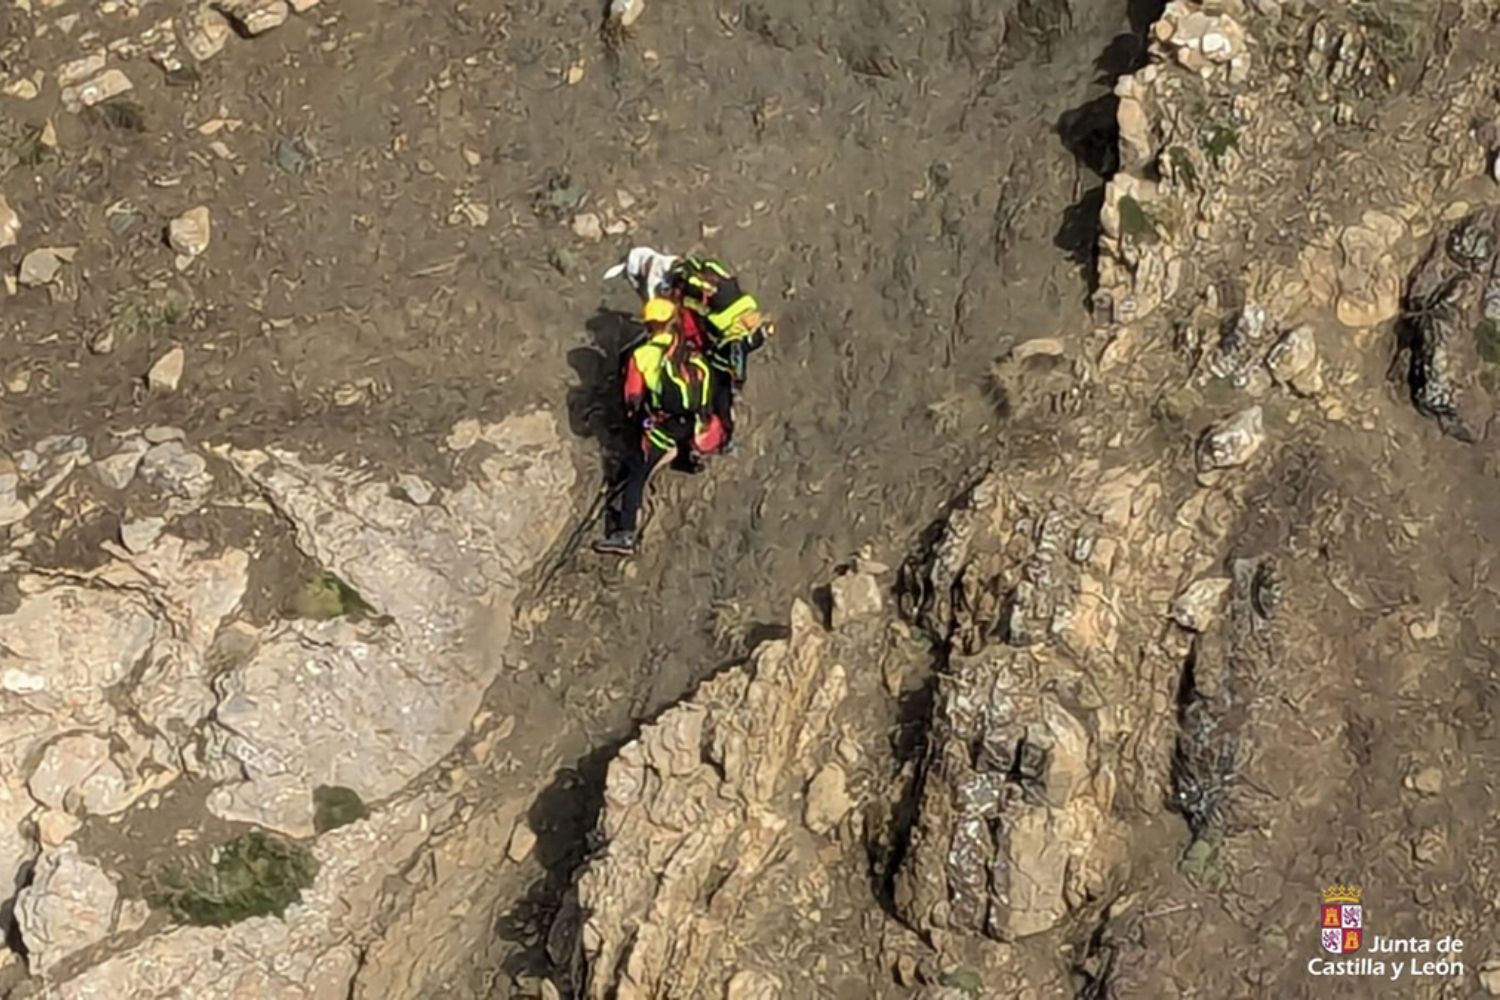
<point>564,817</point>
<point>10,927</point>
<point>1091,133</point>
<point>1078,233</point>
<point>888,847</point>
<point>593,404</point>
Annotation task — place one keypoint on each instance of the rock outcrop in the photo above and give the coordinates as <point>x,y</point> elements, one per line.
<point>370,705</point>
<point>119,679</point>
<point>697,812</point>
<point>1013,830</point>
<point>1015,802</point>
<point>1453,309</point>
<point>68,906</point>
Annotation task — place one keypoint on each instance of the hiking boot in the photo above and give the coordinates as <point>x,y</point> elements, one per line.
<point>617,543</point>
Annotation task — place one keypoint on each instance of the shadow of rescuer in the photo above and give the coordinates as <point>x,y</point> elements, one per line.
<point>669,392</point>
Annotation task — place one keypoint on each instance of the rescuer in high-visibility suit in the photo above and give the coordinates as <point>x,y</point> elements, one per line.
<point>669,391</point>
<point>718,314</point>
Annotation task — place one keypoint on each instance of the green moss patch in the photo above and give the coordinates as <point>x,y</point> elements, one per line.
<point>1134,222</point>
<point>254,875</point>
<point>964,980</point>
<point>1219,140</point>
<point>1487,340</point>
<point>1200,863</point>
<point>326,596</point>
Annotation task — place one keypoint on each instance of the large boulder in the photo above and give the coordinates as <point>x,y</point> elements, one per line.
<point>369,705</point>
<point>65,646</point>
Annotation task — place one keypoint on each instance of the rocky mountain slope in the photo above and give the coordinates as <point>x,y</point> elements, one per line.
<point>299,685</point>
<point>1218,652</point>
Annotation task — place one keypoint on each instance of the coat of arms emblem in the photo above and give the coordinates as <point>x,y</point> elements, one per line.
<point>1342,923</point>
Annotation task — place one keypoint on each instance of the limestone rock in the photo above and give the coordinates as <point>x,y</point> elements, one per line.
<point>626,12</point>
<point>134,914</point>
<point>177,471</point>
<point>1136,147</point>
<point>749,984</point>
<point>1294,362</point>
<point>370,705</point>
<point>1231,442</point>
<point>256,17</point>
<point>1369,281</point>
<point>1138,269</point>
<point>306,955</point>
<point>41,470</point>
<point>75,71</point>
<point>522,841</point>
<point>1014,805</point>
<point>1202,40</point>
<point>205,33</point>
<point>282,803</point>
<point>1426,781</point>
<point>828,800</point>
<point>76,642</point>
<point>79,769</point>
<point>10,224</point>
<point>166,373</point>
<point>118,470</point>
<point>587,226</point>
<point>110,83</point>
<point>1489,977</point>
<point>143,644</point>
<point>190,233</point>
<point>12,507</point>
<point>417,489</point>
<point>1198,606</point>
<point>1454,307</point>
<point>68,906</point>
<point>194,592</point>
<point>22,89</point>
<point>161,434</point>
<point>54,827</point>
<point>693,804</point>
<point>1241,344</point>
<point>855,596</point>
<point>464,435</point>
<point>42,266</point>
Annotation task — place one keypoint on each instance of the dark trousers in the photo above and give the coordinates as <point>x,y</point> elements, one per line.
<point>721,402</point>
<point>636,471</point>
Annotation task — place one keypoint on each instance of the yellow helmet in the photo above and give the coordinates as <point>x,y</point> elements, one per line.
<point>659,311</point>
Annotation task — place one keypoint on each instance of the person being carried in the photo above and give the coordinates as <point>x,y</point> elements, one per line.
<point>724,318</point>
<point>668,393</point>
<point>646,270</point>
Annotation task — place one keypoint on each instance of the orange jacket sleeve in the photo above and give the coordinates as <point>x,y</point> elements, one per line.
<point>635,385</point>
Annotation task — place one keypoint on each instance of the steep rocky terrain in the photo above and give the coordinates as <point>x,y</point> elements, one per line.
<point>1143,527</point>
<point>1223,648</point>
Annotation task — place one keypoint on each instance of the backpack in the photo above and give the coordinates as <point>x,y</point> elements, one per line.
<point>707,281</point>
